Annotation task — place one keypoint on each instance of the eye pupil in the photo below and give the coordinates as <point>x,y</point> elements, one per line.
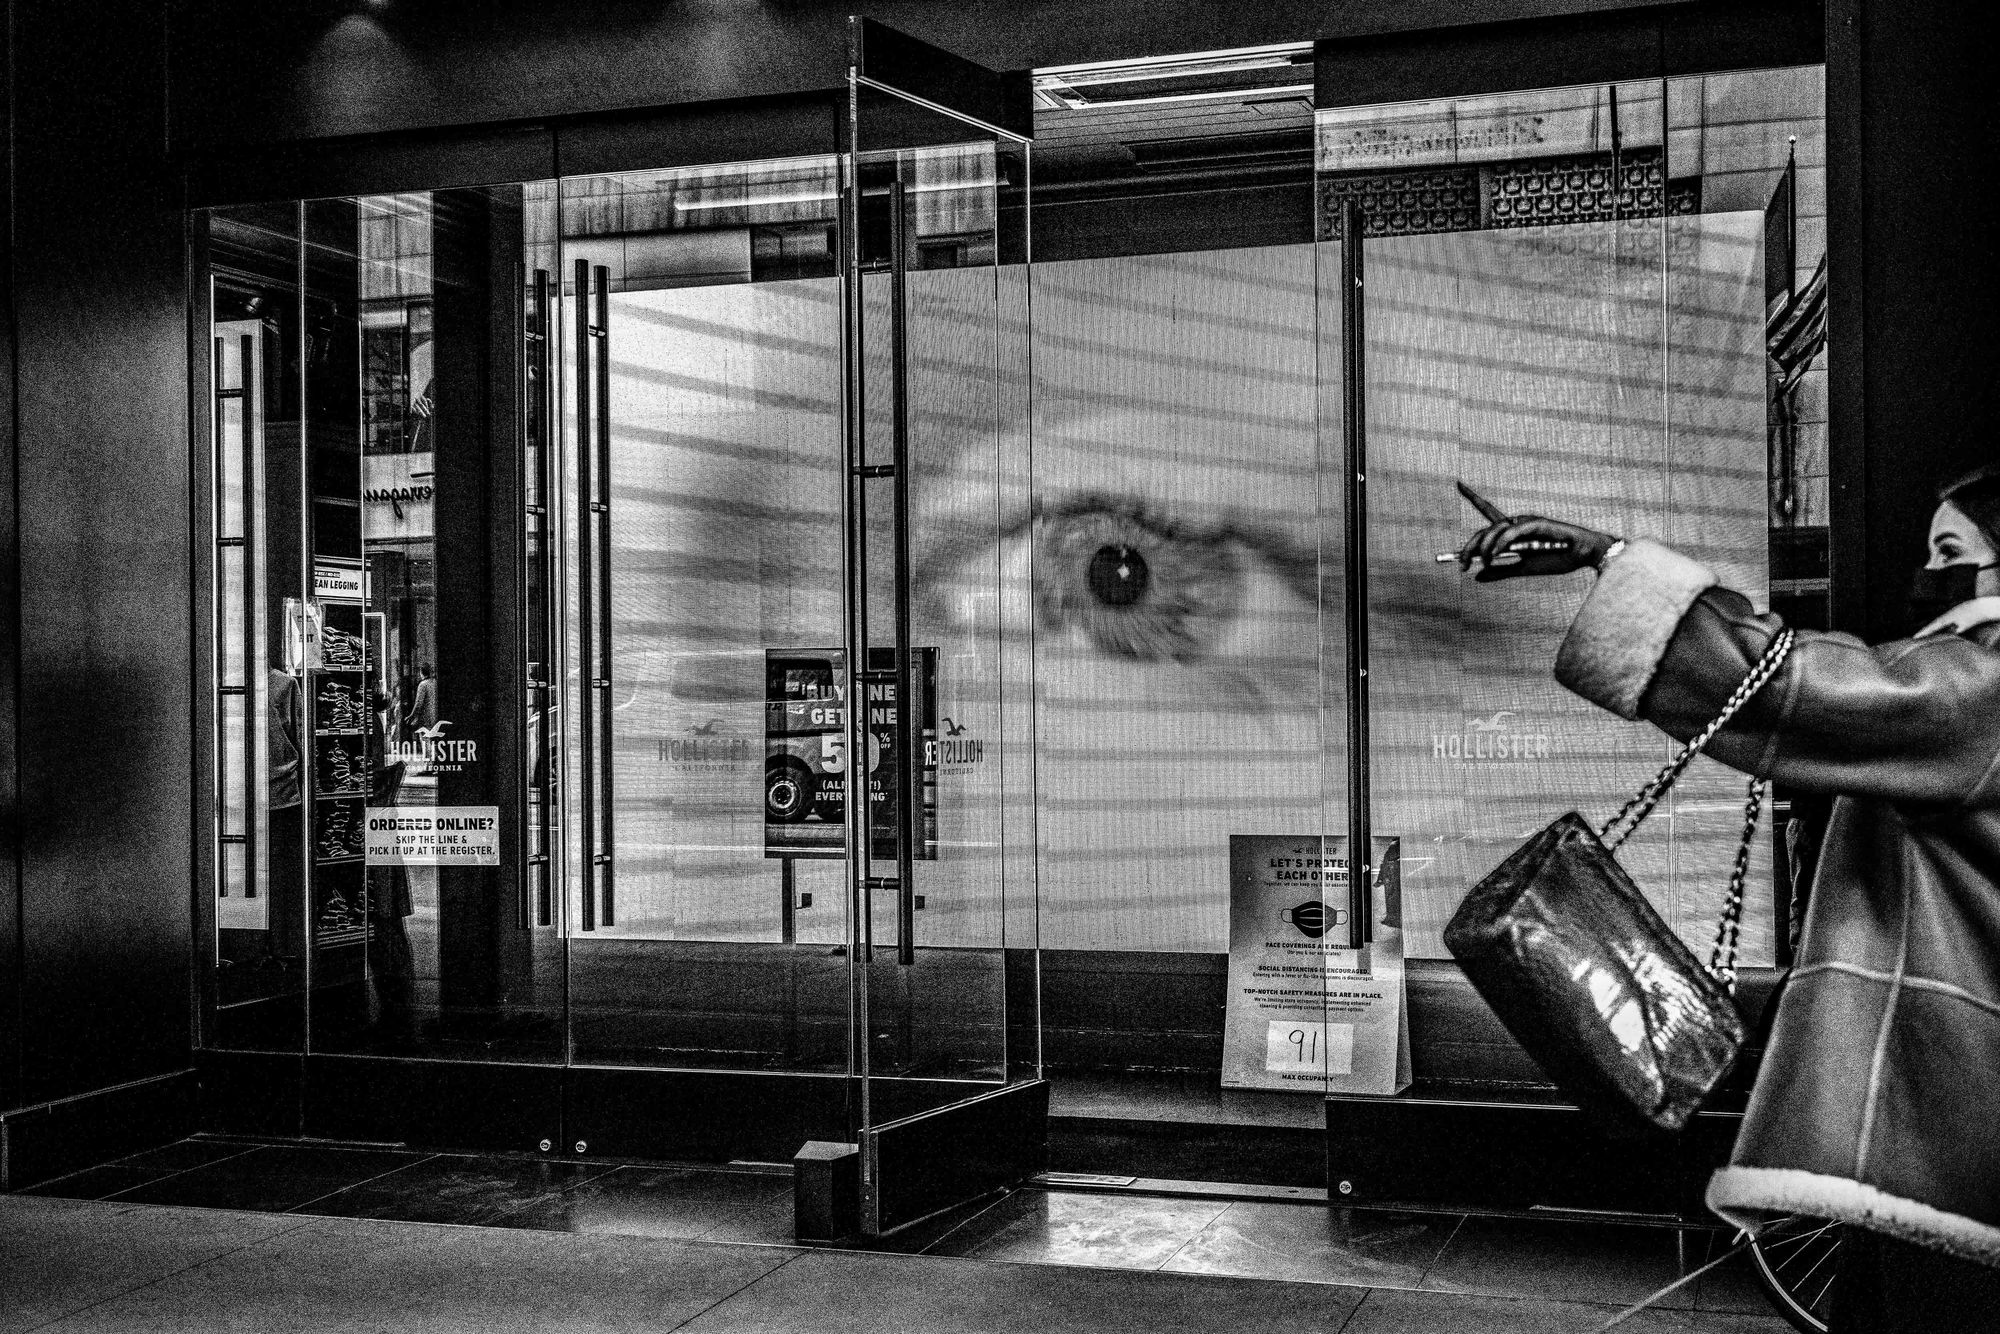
<point>1118,576</point>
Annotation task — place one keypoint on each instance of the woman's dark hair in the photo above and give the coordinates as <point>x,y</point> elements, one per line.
<point>1977,496</point>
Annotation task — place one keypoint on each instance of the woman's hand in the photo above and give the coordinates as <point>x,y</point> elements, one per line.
<point>1528,544</point>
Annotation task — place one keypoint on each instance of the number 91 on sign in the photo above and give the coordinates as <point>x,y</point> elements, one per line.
<point>1308,1047</point>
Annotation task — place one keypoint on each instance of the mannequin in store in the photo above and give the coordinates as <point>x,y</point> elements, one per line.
<point>1874,1102</point>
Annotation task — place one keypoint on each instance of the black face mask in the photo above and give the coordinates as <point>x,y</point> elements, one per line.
<point>1935,592</point>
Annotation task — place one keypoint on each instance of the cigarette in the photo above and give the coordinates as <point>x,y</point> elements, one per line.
<point>1511,555</point>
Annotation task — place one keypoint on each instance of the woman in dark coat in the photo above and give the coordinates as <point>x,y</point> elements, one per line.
<point>1878,1102</point>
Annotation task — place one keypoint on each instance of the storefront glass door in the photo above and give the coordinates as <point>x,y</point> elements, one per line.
<point>936,274</point>
<point>786,386</point>
<point>700,321</point>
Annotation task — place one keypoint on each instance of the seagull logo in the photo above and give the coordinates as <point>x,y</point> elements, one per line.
<point>951,728</point>
<point>1496,723</point>
<point>707,728</point>
<point>435,730</point>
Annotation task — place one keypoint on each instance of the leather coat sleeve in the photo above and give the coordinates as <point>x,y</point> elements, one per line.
<point>1914,721</point>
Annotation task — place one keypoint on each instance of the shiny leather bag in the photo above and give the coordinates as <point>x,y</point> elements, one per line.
<point>1590,979</point>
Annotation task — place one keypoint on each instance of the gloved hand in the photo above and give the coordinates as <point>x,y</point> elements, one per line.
<point>1545,546</point>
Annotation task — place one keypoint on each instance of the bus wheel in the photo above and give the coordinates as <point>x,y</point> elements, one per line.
<point>789,790</point>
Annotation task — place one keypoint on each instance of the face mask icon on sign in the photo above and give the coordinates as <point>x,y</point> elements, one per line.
<point>1313,918</point>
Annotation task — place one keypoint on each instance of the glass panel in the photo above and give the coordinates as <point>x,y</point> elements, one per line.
<point>937,292</point>
<point>702,549</point>
<point>427,939</point>
<point>1189,738</point>
<point>255,990</point>
<point>1564,299</point>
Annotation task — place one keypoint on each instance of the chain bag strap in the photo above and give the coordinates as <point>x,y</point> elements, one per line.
<point>1722,959</point>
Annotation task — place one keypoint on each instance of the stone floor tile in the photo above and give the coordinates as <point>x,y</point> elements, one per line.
<point>457,1189</point>
<point>670,1202</point>
<point>834,1292</point>
<point>187,1153</point>
<point>1304,1243</point>
<point>273,1177</point>
<point>1075,1228</point>
<point>357,1275</point>
<point>96,1183</point>
<point>1586,1262</point>
<point>1390,1311</point>
<point>60,1256</point>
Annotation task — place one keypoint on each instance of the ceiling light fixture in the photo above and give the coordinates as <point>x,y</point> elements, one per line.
<point>1080,87</point>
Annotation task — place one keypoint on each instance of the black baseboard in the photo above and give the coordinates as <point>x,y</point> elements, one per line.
<point>1514,1151</point>
<point>250,1093</point>
<point>1187,1151</point>
<point>462,1105</point>
<point>40,1143</point>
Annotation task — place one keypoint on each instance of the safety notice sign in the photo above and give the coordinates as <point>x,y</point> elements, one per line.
<point>1306,1011</point>
<point>433,835</point>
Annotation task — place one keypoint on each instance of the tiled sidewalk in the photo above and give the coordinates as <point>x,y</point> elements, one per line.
<point>305,1238</point>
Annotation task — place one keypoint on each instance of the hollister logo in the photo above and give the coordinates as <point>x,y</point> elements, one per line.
<point>435,752</point>
<point>955,750</point>
<point>705,745</point>
<point>1493,738</point>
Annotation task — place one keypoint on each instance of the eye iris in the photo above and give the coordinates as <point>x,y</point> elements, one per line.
<point>1118,576</point>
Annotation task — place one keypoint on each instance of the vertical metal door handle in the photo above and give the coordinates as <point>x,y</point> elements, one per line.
<point>525,382</point>
<point>544,629</point>
<point>907,760</point>
<point>246,513</point>
<point>608,859</point>
<point>532,384</point>
<point>586,833</point>
<point>1354,433</point>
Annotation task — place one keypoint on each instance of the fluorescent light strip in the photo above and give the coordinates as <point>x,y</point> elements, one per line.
<point>822,197</point>
<point>1180,66</point>
<point>1275,93</point>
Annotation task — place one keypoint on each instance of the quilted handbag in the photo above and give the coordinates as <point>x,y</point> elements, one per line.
<point>1590,979</point>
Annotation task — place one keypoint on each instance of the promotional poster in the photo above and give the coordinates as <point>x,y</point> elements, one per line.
<point>1305,1012</point>
<point>805,754</point>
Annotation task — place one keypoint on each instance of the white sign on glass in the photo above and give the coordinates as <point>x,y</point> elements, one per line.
<point>1306,1012</point>
<point>433,836</point>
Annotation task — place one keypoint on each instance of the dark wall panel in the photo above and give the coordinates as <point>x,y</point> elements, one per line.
<point>1911,244</point>
<point>252,71</point>
<point>733,131</point>
<point>10,621</point>
<point>440,161</point>
<point>1632,43</point>
<point>103,743</point>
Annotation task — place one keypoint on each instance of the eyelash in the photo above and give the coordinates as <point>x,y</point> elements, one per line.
<point>1172,591</point>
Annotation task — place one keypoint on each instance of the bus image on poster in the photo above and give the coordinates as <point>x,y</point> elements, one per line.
<point>805,753</point>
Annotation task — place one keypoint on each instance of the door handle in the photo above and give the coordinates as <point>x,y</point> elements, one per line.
<point>1354,424</point>
<point>537,563</point>
<point>907,760</point>
<point>601,512</point>
<point>586,610</point>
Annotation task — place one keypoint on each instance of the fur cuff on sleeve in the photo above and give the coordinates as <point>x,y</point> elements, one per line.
<point>1618,638</point>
